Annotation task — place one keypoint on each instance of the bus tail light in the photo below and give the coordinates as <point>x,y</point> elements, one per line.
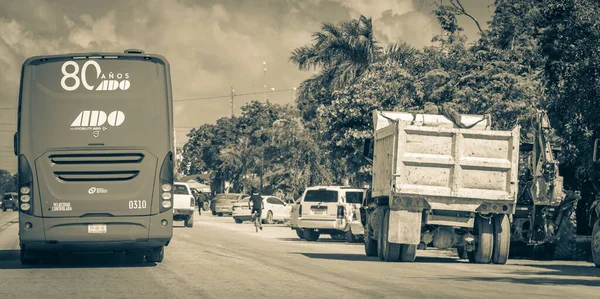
<point>166,183</point>
<point>340,212</point>
<point>25,186</point>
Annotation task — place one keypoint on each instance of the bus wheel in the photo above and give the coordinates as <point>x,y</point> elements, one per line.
<point>156,255</point>
<point>26,259</point>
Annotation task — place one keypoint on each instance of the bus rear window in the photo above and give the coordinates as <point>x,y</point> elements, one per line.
<point>321,196</point>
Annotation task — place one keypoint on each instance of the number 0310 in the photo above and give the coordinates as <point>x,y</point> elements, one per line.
<point>137,204</point>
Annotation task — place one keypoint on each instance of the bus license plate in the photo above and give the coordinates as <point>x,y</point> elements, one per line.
<point>97,229</point>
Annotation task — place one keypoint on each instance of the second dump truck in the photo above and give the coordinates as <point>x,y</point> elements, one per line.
<point>438,184</point>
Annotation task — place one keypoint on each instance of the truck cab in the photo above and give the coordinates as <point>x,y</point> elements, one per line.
<point>333,210</point>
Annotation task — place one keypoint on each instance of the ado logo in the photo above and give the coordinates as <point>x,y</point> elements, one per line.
<point>70,80</point>
<point>95,120</point>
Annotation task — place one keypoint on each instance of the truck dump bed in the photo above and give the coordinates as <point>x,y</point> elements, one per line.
<point>425,161</point>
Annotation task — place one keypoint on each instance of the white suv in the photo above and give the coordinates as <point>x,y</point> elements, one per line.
<point>333,210</point>
<point>183,204</point>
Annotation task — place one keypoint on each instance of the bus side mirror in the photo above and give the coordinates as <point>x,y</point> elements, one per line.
<point>16,144</point>
<point>367,146</point>
<point>596,150</point>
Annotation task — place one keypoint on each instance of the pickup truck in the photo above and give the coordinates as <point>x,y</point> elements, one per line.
<point>183,204</point>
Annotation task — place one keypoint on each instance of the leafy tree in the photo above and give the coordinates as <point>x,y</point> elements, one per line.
<point>8,182</point>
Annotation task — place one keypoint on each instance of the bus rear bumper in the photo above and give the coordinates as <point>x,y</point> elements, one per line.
<point>75,234</point>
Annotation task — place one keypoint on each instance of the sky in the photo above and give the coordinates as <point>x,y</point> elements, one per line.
<point>212,46</point>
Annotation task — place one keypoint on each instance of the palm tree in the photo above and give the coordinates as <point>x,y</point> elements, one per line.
<point>341,51</point>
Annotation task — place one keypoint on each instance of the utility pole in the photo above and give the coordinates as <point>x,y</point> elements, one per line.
<point>232,101</point>
<point>265,81</point>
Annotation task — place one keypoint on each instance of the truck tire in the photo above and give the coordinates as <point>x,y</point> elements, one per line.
<point>300,233</point>
<point>391,251</point>
<point>501,239</point>
<point>238,221</point>
<point>189,221</point>
<point>311,235</point>
<point>156,255</point>
<point>408,253</point>
<point>370,244</point>
<point>596,243</point>
<point>484,249</point>
<point>380,233</point>
<point>565,245</point>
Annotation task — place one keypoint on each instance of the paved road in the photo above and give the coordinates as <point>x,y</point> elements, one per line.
<point>220,259</point>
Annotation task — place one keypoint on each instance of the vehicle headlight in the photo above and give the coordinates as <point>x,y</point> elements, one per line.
<point>25,206</point>
<point>166,196</point>
<point>25,190</point>
<point>25,198</point>
<point>166,204</point>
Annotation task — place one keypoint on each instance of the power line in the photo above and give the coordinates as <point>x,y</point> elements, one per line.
<point>229,96</point>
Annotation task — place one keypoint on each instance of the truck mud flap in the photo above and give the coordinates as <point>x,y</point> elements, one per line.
<point>405,227</point>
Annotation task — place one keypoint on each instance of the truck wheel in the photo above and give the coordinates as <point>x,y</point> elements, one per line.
<point>391,251</point>
<point>214,213</point>
<point>566,245</point>
<point>238,221</point>
<point>3,209</point>
<point>189,221</point>
<point>370,244</point>
<point>311,235</point>
<point>596,243</point>
<point>408,253</point>
<point>220,214</point>
<point>300,233</point>
<point>501,239</point>
<point>380,234</point>
<point>156,255</point>
<point>483,250</point>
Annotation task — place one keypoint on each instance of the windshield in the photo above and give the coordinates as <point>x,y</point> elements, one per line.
<point>321,196</point>
<point>354,197</point>
<point>180,189</point>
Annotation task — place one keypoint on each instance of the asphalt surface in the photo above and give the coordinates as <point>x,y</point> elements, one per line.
<point>220,259</point>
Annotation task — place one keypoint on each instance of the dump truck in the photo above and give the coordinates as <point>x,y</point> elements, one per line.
<point>438,184</point>
<point>544,224</point>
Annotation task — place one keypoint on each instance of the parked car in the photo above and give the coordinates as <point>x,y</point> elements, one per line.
<point>274,210</point>
<point>10,201</point>
<point>223,203</point>
<point>183,204</point>
<point>333,210</point>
